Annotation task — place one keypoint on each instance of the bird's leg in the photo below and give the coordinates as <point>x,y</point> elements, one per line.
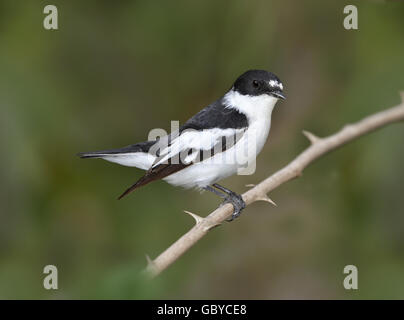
<point>218,193</point>
<point>225,190</point>
<point>229,197</point>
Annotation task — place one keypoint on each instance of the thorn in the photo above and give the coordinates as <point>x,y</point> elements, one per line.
<point>197,218</point>
<point>312,138</point>
<point>250,185</point>
<point>267,199</point>
<point>150,263</point>
<point>150,269</point>
<point>299,173</point>
<point>212,227</point>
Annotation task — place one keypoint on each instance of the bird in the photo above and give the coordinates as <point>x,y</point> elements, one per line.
<point>217,142</point>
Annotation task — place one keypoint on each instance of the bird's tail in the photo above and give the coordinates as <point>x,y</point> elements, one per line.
<point>135,155</point>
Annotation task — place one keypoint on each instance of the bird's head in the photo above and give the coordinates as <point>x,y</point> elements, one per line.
<point>259,82</point>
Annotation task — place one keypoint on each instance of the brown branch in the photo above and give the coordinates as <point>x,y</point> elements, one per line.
<point>318,147</point>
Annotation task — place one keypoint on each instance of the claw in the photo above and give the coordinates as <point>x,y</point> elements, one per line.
<point>229,197</point>
<point>238,204</point>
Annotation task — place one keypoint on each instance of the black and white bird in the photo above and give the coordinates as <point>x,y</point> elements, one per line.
<point>214,144</point>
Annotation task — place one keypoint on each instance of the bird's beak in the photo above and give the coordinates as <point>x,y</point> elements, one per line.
<point>279,95</point>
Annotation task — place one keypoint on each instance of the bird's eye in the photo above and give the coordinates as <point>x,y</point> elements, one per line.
<point>255,83</point>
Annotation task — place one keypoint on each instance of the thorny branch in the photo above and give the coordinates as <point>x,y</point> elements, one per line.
<point>318,147</point>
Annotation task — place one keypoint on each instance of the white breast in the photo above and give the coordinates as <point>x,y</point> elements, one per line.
<point>258,110</point>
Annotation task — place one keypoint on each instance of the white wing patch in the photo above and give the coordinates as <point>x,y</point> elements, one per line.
<point>195,140</point>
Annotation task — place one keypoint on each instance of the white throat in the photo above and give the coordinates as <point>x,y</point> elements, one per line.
<point>254,107</point>
<point>258,110</point>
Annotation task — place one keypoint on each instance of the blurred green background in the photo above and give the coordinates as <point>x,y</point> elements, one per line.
<point>116,69</point>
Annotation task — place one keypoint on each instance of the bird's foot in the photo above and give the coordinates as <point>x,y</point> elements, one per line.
<point>229,197</point>
<point>238,204</point>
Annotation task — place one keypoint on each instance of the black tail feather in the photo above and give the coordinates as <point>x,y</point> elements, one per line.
<point>86,155</point>
<point>138,147</point>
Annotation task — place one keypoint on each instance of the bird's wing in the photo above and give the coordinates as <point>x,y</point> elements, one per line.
<point>213,130</point>
<point>188,148</point>
<point>202,131</point>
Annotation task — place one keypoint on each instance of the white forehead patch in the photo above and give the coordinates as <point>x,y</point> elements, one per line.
<point>274,83</point>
